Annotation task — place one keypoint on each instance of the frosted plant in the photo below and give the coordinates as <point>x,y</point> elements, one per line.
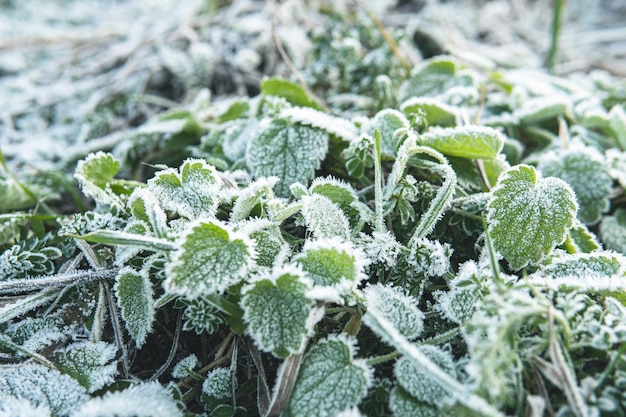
<point>201,316</point>
<point>466,290</point>
<point>32,257</point>
<point>217,384</point>
<point>185,366</point>
<point>399,308</point>
<point>133,290</point>
<point>35,334</point>
<point>381,247</point>
<point>613,231</point>
<point>324,218</point>
<point>21,407</point>
<point>91,364</point>
<point>429,258</point>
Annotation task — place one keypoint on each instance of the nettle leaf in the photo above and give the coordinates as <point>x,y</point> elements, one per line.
<point>271,247</point>
<point>618,125</point>
<point>251,196</point>
<point>475,142</point>
<point>390,124</point>
<point>134,296</point>
<point>584,170</point>
<point>94,174</point>
<point>340,193</point>
<point>588,266</point>
<point>324,218</point>
<point>398,307</point>
<point>418,382</point>
<point>293,92</point>
<point>144,206</point>
<point>332,263</point>
<point>433,78</point>
<point>93,365</point>
<point>436,112</point>
<point>402,404</point>
<point>192,193</point>
<point>333,125</point>
<point>276,309</point>
<point>211,258</point>
<point>613,231</point>
<point>149,399</point>
<point>527,216</point>
<point>41,386</point>
<point>289,151</point>
<point>580,239</point>
<point>330,380</point>
<point>543,108</point>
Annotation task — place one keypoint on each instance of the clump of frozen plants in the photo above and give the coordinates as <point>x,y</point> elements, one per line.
<point>450,241</point>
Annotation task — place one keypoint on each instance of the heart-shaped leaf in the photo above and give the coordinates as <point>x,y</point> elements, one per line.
<point>276,309</point>
<point>528,217</point>
<point>398,307</point>
<point>134,296</point>
<point>324,218</point>
<point>289,151</point>
<point>330,380</point>
<point>475,142</point>
<point>211,258</point>
<point>192,193</point>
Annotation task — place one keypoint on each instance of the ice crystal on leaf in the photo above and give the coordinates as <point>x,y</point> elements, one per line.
<point>185,366</point>
<point>613,231</point>
<point>289,151</point>
<point>417,382</point>
<point>474,142</point>
<point>436,112</point>
<point>148,399</point>
<point>330,380</point>
<point>41,386</point>
<point>583,168</point>
<point>332,263</point>
<point>402,404</point>
<point>398,307</point>
<point>21,407</point>
<point>134,296</point>
<point>31,257</point>
<point>217,384</point>
<point>251,196</point>
<point>459,304</point>
<point>270,245</point>
<point>434,78</point>
<point>391,124</point>
<point>91,364</point>
<point>333,125</point>
<point>276,309</point>
<point>35,333</point>
<point>324,218</point>
<point>339,192</point>
<point>201,316</point>
<point>381,247</point>
<point>144,206</point>
<point>527,216</point>
<point>429,258</point>
<point>211,258</point>
<point>193,193</point>
<point>95,174</point>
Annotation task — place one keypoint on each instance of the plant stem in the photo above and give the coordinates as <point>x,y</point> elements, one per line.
<point>378,183</point>
<point>19,286</point>
<point>556,29</point>
<point>382,359</point>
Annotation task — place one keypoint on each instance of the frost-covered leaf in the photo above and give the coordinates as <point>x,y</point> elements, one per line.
<point>588,266</point>
<point>217,384</point>
<point>21,407</point>
<point>185,366</point>
<point>36,333</point>
<point>276,309</point>
<point>433,78</point>
<point>402,404</point>
<point>201,316</point>
<point>398,307</point>
<point>192,193</point>
<point>289,151</point>
<point>339,192</point>
<point>145,206</point>
<point>251,196</point>
<point>436,112</point>
<point>429,258</point>
<point>580,239</point>
<point>527,216</point>
<point>235,137</point>
<point>617,122</point>
<point>333,125</point>
<point>211,258</point>
<point>324,218</point>
<point>41,386</point>
<point>91,364</point>
<point>115,237</point>
<point>134,296</point>
<point>148,399</point>
<point>270,245</point>
<point>475,142</point>
<point>613,231</point>
<point>294,93</point>
<point>417,381</point>
<point>584,170</point>
<point>460,303</point>
<point>543,108</point>
<point>388,122</point>
<point>94,174</point>
<point>330,380</point>
<point>332,263</point>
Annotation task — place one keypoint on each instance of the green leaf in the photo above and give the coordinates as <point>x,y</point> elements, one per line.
<point>270,244</point>
<point>91,364</point>
<point>332,263</point>
<point>333,125</point>
<point>528,217</point>
<point>192,193</point>
<point>251,196</point>
<point>324,218</point>
<point>398,307</point>
<point>211,258</point>
<point>388,122</point>
<point>95,174</point>
<point>543,108</point>
<point>617,123</point>
<point>134,296</point>
<point>580,239</point>
<point>437,112</point>
<point>115,237</point>
<point>41,386</point>
<point>433,78</point>
<point>291,91</point>
<point>289,151</point>
<point>330,380</point>
<point>587,266</point>
<point>418,382</point>
<point>402,404</point>
<point>584,170</point>
<point>276,309</point>
<point>613,231</point>
<point>475,142</point>
<point>144,206</point>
